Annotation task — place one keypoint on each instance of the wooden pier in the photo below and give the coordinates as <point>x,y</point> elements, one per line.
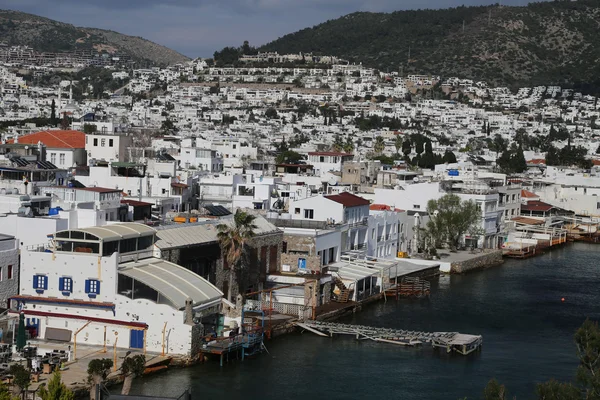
<point>450,341</point>
<point>410,287</point>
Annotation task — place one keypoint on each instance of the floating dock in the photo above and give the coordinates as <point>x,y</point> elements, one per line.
<point>450,341</point>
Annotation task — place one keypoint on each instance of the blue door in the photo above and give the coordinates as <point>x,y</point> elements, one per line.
<point>136,339</point>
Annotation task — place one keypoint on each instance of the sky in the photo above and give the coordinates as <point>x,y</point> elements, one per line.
<point>196,28</point>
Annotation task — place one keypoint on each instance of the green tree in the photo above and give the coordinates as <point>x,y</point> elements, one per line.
<point>512,160</point>
<point>98,369</point>
<point>398,143</point>
<point>494,391</point>
<point>497,144</point>
<point>56,389</point>
<point>53,113</point>
<point>132,367</point>
<point>89,128</point>
<point>5,393</point>
<point>587,340</point>
<point>449,157</point>
<point>271,113</point>
<point>22,376</point>
<point>379,145</point>
<point>288,157</point>
<point>406,148</point>
<point>233,239</point>
<point>348,145</point>
<point>554,390</point>
<point>450,218</point>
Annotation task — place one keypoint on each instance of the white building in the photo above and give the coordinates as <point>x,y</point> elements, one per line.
<point>203,159</point>
<point>105,284</point>
<point>325,161</point>
<point>107,146</point>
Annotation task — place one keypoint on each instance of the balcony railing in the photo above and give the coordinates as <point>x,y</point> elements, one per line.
<point>362,222</point>
<point>360,246</point>
<point>297,223</point>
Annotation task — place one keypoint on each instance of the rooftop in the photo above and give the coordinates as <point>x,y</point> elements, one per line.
<point>172,281</point>
<point>109,233</point>
<point>173,236</point>
<point>329,153</point>
<point>55,139</point>
<point>348,199</point>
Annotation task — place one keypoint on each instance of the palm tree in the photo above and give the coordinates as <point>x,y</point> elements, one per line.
<point>233,239</point>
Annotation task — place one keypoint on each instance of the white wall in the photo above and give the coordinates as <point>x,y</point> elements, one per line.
<point>81,267</point>
<point>323,209</point>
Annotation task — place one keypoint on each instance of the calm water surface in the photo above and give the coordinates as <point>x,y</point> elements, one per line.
<point>527,333</point>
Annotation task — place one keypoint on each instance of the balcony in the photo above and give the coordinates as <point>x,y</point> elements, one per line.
<point>298,223</point>
<point>362,222</point>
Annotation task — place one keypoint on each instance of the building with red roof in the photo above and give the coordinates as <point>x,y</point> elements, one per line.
<point>63,148</point>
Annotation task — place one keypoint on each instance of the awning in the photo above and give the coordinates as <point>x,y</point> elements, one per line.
<point>172,281</point>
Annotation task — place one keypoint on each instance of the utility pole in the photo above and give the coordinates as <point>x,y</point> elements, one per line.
<point>463,26</point>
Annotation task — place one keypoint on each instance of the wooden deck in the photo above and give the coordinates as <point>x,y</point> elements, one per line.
<point>450,341</point>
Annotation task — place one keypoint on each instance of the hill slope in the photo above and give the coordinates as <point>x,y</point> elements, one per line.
<point>548,42</point>
<point>46,35</point>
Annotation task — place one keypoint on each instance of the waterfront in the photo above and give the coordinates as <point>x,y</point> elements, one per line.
<point>527,332</point>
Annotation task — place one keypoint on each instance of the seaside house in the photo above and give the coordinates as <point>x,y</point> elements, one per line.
<point>103,285</point>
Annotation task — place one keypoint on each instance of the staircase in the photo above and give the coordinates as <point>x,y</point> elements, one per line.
<point>344,295</point>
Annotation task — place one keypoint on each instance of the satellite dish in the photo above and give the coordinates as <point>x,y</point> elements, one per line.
<point>416,179</point>
<point>332,182</point>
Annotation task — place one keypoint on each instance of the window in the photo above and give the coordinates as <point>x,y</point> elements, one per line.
<point>62,159</point>
<point>95,142</point>
<point>10,272</point>
<point>53,158</point>
<point>297,211</point>
<point>102,142</point>
<point>40,283</point>
<point>416,206</point>
<point>309,214</point>
<point>92,287</point>
<point>284,247</point>
<point>110,142</point>
<point>65,285</point>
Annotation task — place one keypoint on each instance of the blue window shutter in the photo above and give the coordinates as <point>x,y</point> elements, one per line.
<point>45,282</point>
<point>35,281</point>
<point>87,285</point>
<point>61,283</point>
<point>98,287</point>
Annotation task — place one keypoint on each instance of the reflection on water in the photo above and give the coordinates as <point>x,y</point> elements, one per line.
<point>527,333</point>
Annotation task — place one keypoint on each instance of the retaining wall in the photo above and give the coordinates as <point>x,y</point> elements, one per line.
<point>483,260</point>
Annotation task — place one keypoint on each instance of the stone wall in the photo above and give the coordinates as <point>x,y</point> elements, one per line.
<point>301,247</point>
<point>9,287</point>
<point>257,267</point>
<point>483,260</point>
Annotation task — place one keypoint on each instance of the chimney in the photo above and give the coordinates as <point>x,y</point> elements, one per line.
<point>188,317</point>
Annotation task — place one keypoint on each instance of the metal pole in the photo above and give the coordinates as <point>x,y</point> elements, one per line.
<point>104,350</point>
<point>75,339</point>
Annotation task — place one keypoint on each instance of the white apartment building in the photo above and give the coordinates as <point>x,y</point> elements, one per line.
<point>104,285</point>
<point>107,147</point>
<point>202,159</point>
<point>325,161</point>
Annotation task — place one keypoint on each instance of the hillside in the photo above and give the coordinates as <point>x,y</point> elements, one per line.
<point>542,43</point>
<point>46,35</point>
